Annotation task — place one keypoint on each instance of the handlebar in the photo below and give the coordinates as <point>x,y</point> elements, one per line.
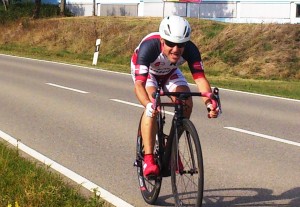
<point>214,97</point>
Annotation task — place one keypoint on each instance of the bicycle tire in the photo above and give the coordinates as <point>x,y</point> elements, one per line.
<point>149,188</point>
<point>187,174</point>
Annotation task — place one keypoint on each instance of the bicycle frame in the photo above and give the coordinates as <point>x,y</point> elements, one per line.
<point>165,149</point>
<point>168,153</point>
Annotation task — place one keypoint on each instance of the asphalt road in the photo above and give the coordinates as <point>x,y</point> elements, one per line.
<point>251,152</point>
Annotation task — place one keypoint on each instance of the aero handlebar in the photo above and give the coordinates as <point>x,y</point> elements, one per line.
<point>214,97</point>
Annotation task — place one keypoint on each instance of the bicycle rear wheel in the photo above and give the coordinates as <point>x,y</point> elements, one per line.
<point>150,188</point>
<point>187,167</point>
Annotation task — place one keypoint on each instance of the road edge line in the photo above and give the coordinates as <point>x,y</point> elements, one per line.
<point>128,74</point>
<point>104,194</point>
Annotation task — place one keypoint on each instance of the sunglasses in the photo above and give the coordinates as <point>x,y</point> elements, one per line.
<point>173,44</point>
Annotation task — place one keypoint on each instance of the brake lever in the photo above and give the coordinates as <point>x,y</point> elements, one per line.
<point>217,95</point>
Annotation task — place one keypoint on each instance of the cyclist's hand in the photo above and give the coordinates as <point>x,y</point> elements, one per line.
<point>212,113</point>
<point>149,110</point>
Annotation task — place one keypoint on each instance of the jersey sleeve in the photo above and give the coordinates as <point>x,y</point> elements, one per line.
<point>193,57</point>
<point>147,52</point>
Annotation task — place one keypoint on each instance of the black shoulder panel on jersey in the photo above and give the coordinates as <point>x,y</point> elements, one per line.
<point>191,53</point>
<point>148,51</point>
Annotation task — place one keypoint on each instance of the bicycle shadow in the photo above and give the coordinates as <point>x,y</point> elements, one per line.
<point>253,197</point>
<point>242,197</point>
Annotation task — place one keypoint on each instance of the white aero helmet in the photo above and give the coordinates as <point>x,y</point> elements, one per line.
<point>175,29</point>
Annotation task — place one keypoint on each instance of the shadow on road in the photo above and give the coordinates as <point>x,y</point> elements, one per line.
<point>242,197</point>
<point>250,197</point>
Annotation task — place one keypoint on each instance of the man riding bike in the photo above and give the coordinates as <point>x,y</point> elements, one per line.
<point>156,59</point>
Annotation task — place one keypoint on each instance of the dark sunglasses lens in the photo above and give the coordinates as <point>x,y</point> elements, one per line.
<point>172,44</point>
<point>180,45</point>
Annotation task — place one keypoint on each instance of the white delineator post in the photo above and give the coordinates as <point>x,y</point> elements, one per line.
<point>96,53</point>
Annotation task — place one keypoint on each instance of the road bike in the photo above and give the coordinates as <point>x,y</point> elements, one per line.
<point>177,154</point>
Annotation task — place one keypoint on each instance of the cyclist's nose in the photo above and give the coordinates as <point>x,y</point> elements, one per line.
<point>176,48</point>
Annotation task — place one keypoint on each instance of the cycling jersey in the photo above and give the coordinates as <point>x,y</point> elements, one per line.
<point>148,59</point>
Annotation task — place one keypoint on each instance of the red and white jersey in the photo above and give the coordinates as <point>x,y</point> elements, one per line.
<point>148,58</point>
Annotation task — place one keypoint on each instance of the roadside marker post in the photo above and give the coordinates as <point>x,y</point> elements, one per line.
<point>96,53</point>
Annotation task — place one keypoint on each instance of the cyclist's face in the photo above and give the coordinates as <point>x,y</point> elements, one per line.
<point>172,50</point>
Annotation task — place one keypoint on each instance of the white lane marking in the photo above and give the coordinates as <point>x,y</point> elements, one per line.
<point>261,95</point>
<point>67,88</point>
<point>128,103</point>
<point>264,136</point>
<point>231,128</point>
<point>65,171</point>
<point>137,105</point>
<point>128,74</point>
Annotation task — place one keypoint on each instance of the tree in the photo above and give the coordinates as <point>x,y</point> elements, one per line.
<point>37,9</point>
<point>62,7</point>
<point>4,5</point>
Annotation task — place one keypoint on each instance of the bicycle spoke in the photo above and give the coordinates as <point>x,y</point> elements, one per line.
<point>191,150</point>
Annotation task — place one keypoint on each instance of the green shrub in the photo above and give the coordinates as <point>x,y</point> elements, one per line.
<point>20,10</point>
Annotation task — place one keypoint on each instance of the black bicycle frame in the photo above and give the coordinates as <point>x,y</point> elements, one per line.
<point>165,149</point>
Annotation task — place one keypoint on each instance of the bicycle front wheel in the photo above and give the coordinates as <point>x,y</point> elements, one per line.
<point>150,188</point>
<point>187,167</point>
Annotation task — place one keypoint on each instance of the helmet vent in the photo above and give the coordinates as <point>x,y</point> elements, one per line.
<point>185,31</point>
<point>169,32</point>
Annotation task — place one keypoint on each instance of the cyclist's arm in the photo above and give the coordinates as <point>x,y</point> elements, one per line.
<point>193,56</point>
<point>148,51</point>
<point>203,86</point>
<point>141,93</point>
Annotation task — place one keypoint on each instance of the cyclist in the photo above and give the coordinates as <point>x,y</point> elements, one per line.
<point>157,58</point>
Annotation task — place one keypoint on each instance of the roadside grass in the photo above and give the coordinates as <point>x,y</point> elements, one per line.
<point>280,88</point>
<point>260,58</point>
<point>27,183</point>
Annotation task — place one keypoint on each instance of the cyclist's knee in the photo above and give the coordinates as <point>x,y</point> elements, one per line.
<point>188,108</point>
<point>148,121</point>
<point>188,103</point>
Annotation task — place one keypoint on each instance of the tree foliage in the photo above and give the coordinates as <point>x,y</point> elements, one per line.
<point>5,3</point>
<point>37,9</point>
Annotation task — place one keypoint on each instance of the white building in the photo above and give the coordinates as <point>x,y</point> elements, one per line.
<point>235,11</point>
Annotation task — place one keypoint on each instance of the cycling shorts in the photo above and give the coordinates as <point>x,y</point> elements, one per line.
<point>171,81</point>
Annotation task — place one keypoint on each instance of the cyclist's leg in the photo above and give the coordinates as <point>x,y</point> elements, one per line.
<point>149,188</point>
<point>148,130</point>
<point>147,123</point>
<point>188,103</point>
<point>178,83</point>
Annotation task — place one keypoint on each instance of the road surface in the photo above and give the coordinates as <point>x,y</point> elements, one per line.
<point>73,115</point>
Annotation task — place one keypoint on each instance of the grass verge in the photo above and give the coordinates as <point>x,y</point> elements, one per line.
<point>280,88</point>
<point>26,183</point>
